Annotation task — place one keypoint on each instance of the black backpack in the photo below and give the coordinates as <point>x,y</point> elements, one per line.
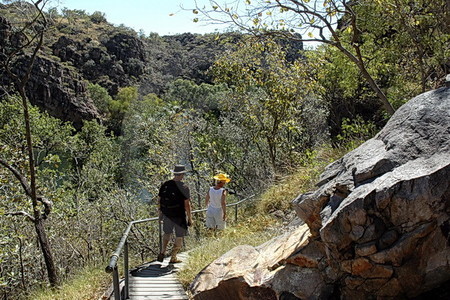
<point>170,200</point>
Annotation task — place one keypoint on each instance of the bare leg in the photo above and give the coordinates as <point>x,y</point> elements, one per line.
<point>166,239</point>
<point>165,242</point>
<point>176,248</point>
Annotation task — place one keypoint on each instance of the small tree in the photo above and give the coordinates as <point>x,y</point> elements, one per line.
<point>22,45</point>
<point>119,106</point>
<point>98,17</point>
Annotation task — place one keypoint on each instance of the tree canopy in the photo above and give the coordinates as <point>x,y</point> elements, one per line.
<point>352,27</point>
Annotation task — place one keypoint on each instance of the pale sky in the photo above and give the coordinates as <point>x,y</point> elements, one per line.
<point>148,15</point>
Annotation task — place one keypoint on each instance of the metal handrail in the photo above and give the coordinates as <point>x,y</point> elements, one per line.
<point>235,204</point>
<point>123,245</point>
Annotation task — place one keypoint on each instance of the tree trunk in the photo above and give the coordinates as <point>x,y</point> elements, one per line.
<point>384,101</point>
<point>46,251</point>
<point>373,85</point>
<point>34,43</point>
<point>197,183</point>
<point>38,220</point>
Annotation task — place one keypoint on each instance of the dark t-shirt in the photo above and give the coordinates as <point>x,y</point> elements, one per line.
<point>172,195</point>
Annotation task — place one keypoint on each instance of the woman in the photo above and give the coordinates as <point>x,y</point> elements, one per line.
<point>216,203</point>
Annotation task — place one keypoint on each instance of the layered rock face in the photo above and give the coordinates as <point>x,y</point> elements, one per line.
<point>378,223</point>
<point>113,63</point>
<point>55,88</point>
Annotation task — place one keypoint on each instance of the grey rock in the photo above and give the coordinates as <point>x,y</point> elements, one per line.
<point>396,207</point>
<point>53,87</point>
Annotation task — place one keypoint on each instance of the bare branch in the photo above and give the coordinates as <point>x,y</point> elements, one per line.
<point>23,181</point>
<point>48,205</point>
<point>21,213</point>
<point>311,17</point>
<point>40,35</point>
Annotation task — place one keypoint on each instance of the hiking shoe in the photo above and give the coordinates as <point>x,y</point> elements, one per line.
<point>160,257</point>
<point>174,260</point>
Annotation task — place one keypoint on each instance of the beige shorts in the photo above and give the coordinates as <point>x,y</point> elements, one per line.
<point>214,218</point>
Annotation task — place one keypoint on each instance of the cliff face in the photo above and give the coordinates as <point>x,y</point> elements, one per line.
<point>79,50</point>
<point>114,62</point>
<point>112,59</point>
<point>52,86</point>
<point>378,224</point>
<point>59,91</point>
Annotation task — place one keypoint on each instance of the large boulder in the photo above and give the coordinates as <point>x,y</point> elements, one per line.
<point>246,272</point>
<point>382,211</point>
<point>379,221</point>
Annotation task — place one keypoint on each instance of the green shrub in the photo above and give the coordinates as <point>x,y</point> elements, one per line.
<point>97,17</point>
<point>355,132</point>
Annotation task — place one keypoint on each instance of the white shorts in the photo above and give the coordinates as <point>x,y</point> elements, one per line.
<point>214,218</point>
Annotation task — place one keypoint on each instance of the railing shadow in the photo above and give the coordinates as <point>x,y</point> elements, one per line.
<point>153,270</point>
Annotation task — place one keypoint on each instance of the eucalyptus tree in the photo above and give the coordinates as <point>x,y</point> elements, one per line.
<point>19,52</point>
<point>119,106</point>
<point>50,136</point>
<point>270,95</point>
<point>78,171</point>
<point>320,21</point>
<point>148,144</point>
<point>414,36</point>
<point>101,98</point>
<point>200,106</point>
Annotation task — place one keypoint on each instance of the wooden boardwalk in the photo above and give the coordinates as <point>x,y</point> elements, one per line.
<point>157,281</point>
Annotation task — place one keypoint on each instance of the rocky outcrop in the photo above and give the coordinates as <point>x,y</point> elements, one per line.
<point>242,272</point>
<point>115,62</point>
<point>112,57</point>
<point>53,87</point>
<point>189,56</point>
<point>61,92</point>
<point>379,221</point>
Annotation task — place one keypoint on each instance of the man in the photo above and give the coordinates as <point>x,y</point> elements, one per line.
<point>174,207</point>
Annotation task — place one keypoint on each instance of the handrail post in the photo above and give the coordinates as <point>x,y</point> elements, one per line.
<point>116,284</point>
<point>126,269</point>
<point>160,235</point>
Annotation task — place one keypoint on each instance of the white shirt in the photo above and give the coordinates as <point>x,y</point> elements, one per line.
<point>215,197</point>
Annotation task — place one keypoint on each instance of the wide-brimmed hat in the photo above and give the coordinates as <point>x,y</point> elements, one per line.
<point>179,169</point>
<point>222,177</point>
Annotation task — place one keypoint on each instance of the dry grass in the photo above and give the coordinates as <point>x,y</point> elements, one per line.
<point>280,195</point>
<point>88,284</point>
